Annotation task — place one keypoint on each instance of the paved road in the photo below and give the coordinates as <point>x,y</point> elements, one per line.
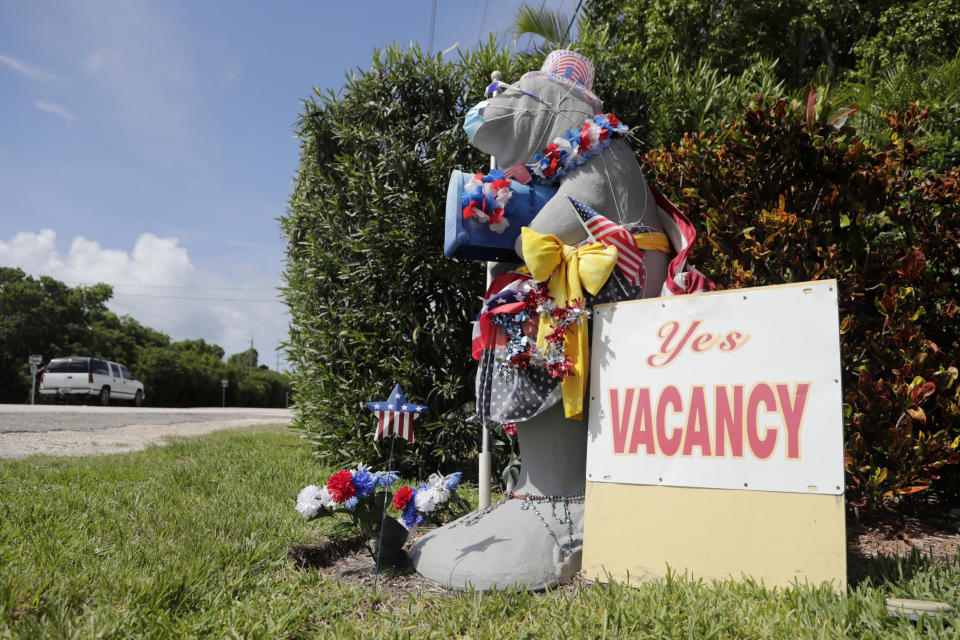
<point>20,418</point>
<point>84,431</point>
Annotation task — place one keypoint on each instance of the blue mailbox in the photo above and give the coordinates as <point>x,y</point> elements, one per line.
<point>470,239</point>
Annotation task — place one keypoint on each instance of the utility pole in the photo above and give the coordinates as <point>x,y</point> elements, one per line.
<point>34,361</point>
<point>251,356</point>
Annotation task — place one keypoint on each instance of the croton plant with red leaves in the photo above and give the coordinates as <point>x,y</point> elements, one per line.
<point>787,194</point>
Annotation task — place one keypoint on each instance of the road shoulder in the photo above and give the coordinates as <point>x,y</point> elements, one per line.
<point>110,440</point>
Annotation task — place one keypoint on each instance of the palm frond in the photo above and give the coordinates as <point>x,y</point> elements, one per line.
<point>540,21</point>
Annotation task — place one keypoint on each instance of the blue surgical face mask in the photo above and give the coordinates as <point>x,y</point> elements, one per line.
<point>474,119</point>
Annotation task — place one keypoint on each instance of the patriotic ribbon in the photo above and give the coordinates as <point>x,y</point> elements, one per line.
<point>570,271</point>
<point>682,277</point>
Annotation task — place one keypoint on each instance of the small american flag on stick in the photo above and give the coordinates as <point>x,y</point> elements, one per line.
<point>629,255</point>
<point>395,415</point>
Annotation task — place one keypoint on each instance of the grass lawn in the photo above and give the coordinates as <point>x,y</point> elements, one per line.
<point>191,539</point>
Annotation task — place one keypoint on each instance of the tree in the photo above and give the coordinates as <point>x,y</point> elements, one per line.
<point>244,361</point>
<point>120,337</point>
<point>42,316</point>
<point>910,34</point>
<point>808,38</point>
<point>46,317</point>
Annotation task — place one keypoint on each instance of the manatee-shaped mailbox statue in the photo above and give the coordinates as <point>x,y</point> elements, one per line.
<point>588,229</point>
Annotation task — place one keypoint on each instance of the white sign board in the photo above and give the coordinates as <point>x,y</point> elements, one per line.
<point>738,389</point>
<point>35,359</point>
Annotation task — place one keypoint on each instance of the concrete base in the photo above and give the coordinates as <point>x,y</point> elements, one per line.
<point>504,548</point>
<point>509,545</point>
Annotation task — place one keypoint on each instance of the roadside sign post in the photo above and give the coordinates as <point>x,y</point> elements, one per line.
<point>34,361</point>
<point>223,386</point>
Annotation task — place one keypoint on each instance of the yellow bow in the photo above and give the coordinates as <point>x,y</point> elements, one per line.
<point>571,270</point>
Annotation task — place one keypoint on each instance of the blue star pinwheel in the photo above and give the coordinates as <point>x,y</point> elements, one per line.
<point>395,415</point>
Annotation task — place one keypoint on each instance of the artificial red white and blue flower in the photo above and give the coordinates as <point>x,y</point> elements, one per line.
<point>414,504</point>
<point>344,489</point>
<point>485,197</point>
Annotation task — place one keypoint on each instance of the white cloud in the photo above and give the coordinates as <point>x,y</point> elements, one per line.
<point>56,110</point>
<point>157,284</point>
<point>26,69</point>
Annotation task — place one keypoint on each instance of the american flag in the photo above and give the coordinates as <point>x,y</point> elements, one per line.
<point>395,415</point>
<point>518,173</point>
<point>629,255</point>
<point>506,294</point>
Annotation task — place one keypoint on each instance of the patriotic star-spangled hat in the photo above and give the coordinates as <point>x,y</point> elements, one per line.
<point>395,415</point>
<point>571,70</point>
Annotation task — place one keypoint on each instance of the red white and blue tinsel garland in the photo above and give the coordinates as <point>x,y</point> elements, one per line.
<point>522,350</point>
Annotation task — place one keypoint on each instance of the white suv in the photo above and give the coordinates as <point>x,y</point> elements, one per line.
<point>90,377</point>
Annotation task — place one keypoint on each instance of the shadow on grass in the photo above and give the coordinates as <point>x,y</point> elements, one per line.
<point>883,569</point>
<point>349,560</point>
<point>324,551</point>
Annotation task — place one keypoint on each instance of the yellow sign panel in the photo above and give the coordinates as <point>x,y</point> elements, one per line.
<point>636,532</point>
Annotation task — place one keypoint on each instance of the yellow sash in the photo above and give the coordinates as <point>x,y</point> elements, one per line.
<point>571,270</point>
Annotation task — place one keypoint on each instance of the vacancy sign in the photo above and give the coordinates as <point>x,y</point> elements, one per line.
<point>727,406</point>
<point>733,390</point>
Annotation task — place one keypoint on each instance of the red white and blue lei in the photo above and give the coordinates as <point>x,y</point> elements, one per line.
<point>576,147</point>
<point>485,196</point>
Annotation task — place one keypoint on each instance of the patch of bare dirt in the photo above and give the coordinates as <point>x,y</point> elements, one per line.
<point>349,560</point>
<point>935,535</point>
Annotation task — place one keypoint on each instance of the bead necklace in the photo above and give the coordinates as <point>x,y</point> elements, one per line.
<point>530,502</point>
<point>573,497</point>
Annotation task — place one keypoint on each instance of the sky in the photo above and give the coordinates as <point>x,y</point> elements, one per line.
<point>149,144</point>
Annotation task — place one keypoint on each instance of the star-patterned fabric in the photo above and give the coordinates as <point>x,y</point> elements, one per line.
<point>511,394</point>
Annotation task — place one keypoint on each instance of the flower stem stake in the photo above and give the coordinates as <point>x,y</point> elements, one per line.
<point>395,417</point>
<point>383,516</point>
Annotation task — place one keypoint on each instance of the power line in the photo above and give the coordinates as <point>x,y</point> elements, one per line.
<point>566,35</point>
<point>433,25</point>
<point>482,20</point>
<point>131,310</point>
<point>151,295</point>
<point>174,286</point>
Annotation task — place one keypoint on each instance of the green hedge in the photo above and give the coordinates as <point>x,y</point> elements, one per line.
<point>373,301</point>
